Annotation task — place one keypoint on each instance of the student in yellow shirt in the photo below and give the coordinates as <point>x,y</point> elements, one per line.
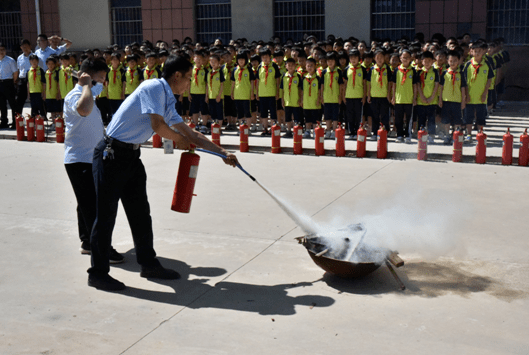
<point>36,86</point>
<point>215,89</point>
<point>268,75</point>
<point>354,76</point>
<point>291,92</point>
<point>427,94</point>
<point>53,95</point>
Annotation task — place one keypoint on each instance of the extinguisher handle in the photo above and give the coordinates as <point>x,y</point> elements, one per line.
<point>225,157</point>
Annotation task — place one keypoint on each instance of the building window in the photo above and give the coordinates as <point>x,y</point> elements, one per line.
<point>510,20</point>
<point>213,20</point>
<point>126,22</point>
<point>292,19</point>
<point>392,19</point>
<point>10,25</point>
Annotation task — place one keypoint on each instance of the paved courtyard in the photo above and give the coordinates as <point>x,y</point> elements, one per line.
<point>247,286</point>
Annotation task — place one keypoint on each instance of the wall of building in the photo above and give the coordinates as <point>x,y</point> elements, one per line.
<point>49,18</point>
<point>345,18</point>
<point>451,17</point>
<point>253,20</point>
<point>85,23</point>
<point>168,19</point>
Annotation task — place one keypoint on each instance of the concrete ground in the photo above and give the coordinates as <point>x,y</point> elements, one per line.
<point>247,286</point>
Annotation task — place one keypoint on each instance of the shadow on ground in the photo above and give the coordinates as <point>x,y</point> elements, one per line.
<point>426,280</point>
<point>197,293</point>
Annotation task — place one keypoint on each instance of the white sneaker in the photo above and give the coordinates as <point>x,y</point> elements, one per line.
<point>253,128</point>
<point>408,140</point>
<point>306,134</point>
<point>327,134</point>
<point>399,140</point>
<point>332,135</point>
<point>430,140</point>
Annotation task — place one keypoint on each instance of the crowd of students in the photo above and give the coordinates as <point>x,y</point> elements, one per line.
<point>439,84</point>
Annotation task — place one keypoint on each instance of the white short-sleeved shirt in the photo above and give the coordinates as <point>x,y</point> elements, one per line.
<point>82,133</point>
<point>132,122</point>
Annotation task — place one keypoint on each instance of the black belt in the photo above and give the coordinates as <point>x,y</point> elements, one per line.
<point>119,144</point>
<point>6,80</point>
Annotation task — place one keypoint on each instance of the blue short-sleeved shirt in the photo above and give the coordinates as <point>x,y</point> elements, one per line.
<point>132,122</point>
<point>82,133</point>
<point>43,55</point>
<point>8,67</point>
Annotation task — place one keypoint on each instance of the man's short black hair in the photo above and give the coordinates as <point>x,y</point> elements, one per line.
<point>42,35</point>
<point>93,66</point>
<point>2,45</point>
<point>25,41</point>
<point>176,63</point>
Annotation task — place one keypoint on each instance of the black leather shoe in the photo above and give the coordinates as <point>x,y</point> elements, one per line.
<point>158,272</point>
<point>105,282</point>
<point>115,257</point>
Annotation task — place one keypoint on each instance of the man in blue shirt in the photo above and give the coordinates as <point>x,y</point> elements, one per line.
<point>23,66</point>
<point>119,173</point>
<point>8,78</point>
<point>84,129</point>
<point>44,51</point>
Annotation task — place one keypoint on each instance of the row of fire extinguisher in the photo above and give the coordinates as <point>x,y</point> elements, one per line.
<point>382,143</point>
<point>32,129</point>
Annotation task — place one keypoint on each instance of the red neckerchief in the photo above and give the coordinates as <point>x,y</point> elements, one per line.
<point>196,75</point>
<point>240,73</point>
<point>423,76</point>
<point>453,73</point>
<point>34,75</point>
<point>65,76</point>
<point>266,75</point>
<point>354,74</point>
<point>290,82</point>
<point>380,72</point>
<point>404,74</point>
<point>310,84</point>
<point>115,74</point>
<point>331,72</point>
<point>213,72</point>
<point>476,69</point>
<point>150,72</point>
<point>49,77</point>
<point>131,71</point>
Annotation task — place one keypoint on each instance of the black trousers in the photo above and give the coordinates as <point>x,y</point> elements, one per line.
<point>400,110</point>
<point>114,106</point>
<point>80,175</point>
<point>21,94</point>
<point>104,106</point>
<point>380,108</point>
<point>7,95</point>
<point>121,178</point>
<point>353,114</point>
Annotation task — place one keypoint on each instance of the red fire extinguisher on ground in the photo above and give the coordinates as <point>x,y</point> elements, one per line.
<point>340,141</point>
<point>361,136</point>
<point>185,182</point>
<point>215,133</point>
<point>422,137</point>
<point>458,146</point>
<point>39,124</point>
<point>523,158</point>
<point>508,140</point>
<point>156,141</point>
<point>319,139</point>
<point>19,121</point>
<point>192,125</point>
<point>59,129</point>
<point>276,138</point>
<point>31,128</point>
<point>298,139</point>
<point>382,143</point>
<point>481,147</point>
<point>243,135</point>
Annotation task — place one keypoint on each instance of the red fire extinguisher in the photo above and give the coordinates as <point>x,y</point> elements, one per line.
<point>59,129</point>
<point>506,156</point>
<point>185,182</point>
<point>156,141</point>
<point>298,139</point>
<point>361,136</point>
<point>523,158</point>
<point>481,147</point>
<point>39,123</point>
<point>19,121</point>
<point>382,143</point>
<point>31,128</point>
<point>458,146</point>
<point>319,139</point>
<point>215,133</point>
<point>243,135</point>
<point>340,141</point>
<point>422,137</point>
<point>192,125</point>
<point>276,138</point>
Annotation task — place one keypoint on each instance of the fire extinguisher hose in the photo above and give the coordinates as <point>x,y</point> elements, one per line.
<point>225,157</point>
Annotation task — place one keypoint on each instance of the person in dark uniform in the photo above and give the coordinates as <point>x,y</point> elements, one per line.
<point>119,173</point>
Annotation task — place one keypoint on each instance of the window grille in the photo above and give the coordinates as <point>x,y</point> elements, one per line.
<point>126,22</point>
<point>393,19</point>
<point>213,20</point>
<point>292,19</point>
<point>10,26</point>
<point>508,19</point>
